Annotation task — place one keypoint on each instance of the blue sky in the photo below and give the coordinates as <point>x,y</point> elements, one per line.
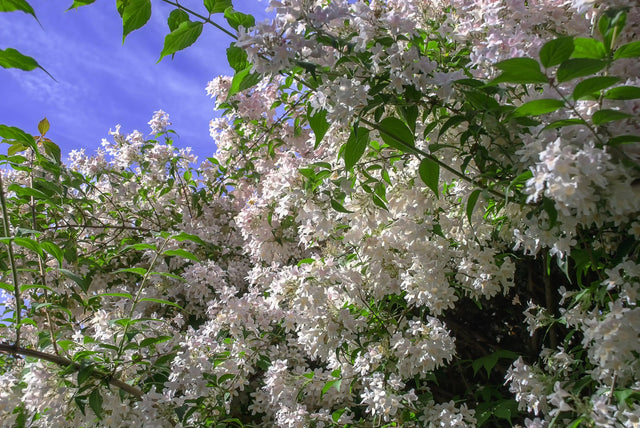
<point>102,82</point>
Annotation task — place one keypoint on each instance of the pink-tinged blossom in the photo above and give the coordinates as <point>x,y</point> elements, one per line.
<point>159,122</point>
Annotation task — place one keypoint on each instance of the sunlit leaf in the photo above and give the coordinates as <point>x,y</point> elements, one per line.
<point>471,203</point>
<point>355,147</point>
<point>623,93</point>
<point>237,19</point>
<point>135,14</point>
<point>17,5</point>
<point>217,6</point>
<point>588,48</point>
<point>429,171</point>
<point>556,51</point>
<point>179,252</point>
<point>11,58</point>
<point>243,79</point>
<point>578,67</point>
<point>182,37</point>
<point>95,402</point>
<point>606,115</point>
<point>319,125</point>
<point>538,107</point>
<point>593,84</point>
<point>161,301</point>
<point>176,17</point>
<point>630,50</point>
<point>395,133</point>
<point>78,3</point>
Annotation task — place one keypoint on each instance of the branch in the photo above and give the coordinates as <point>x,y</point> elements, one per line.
<point>65,362</point>
<point>205,19</point>
<point>424,154</point>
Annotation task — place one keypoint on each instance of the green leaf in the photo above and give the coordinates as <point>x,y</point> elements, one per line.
<point>153,340</point>
<point>95,402</point>
<point>471,203</point>
<point>168,275</point>
<point>519,70</point>
<point>17,5</point>
<point>123,295</point>
<point>593,84</point>
<point>84,374</point>
<point>623,93</point>
<point>27,287</point>
<point>7,287</point>
<point>177,17</point>
<point>355,147</point>
<point>480,101</point>
<point>588,48</point>
<point>305,262</point>
<point>537,107</point>
<point>53,150</point>
<point>182,37</point>
<point>396,134</point>
<point>338,207</point>
<point>550,208</point>
<point>242,80</point>
<point>29,244</point>
<point>429,171</point>
<point>450,123</point>
<point>182,236</point>
<point>610,25</point>
<point>578,67</point>
<point>332,383</point>
<point>78,3</point>
<point>604,116</point>
<point>137,270</point>
<point>179,252</point>
<point>624,139</point>
<point>54,250</point>
<point>237,19</point>
<point>11,58</point>
<point>82,282</point>
<point>16,148</point>
<point>630,50</point>
<point>506,410</point>
<point>335,416</point>
<point>521,78</point>
<point>161,301</point>
<point>237,58</point>
<point>217,6</point>
<point>564,122</point>
<point>518,65</point>
<point>138,247</point>
<point>26,192</point>
<point>135,13</point>
<point>43,126</point>
<point>319,125</point>
<point>556,51</point>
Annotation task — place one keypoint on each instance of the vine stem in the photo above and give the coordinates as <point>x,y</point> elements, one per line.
<point>65,362</point>
<point>41,264</point>
<point>12,262</point>
<point>434,159</point>
<point>204,18</point>
<point>138,294</point>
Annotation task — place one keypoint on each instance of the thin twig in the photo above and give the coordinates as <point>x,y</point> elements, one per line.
<point>65,362</point>
<point>12,262</point>
<point>205,19</point>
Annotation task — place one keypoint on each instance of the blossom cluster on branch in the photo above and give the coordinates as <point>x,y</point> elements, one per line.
<point>419,213</point>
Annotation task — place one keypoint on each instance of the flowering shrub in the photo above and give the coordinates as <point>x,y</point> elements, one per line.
<point>419,213</point>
